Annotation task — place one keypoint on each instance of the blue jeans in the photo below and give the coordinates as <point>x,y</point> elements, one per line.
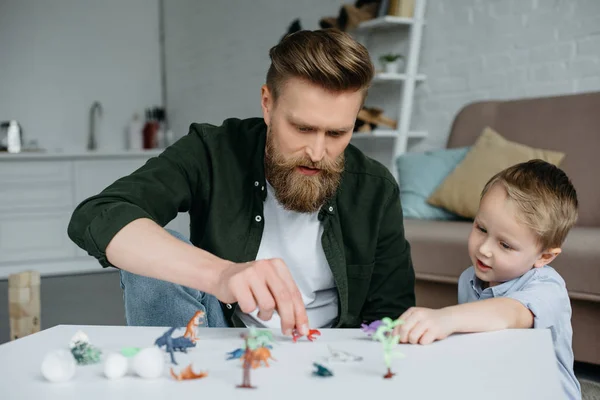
<point>152,302</point>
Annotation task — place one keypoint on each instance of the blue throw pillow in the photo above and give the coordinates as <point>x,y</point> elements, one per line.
<point>419,174</point>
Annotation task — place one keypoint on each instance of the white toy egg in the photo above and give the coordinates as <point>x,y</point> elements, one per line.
<point>58,366</point>
<point>149,363</point>
<point>115,366</point>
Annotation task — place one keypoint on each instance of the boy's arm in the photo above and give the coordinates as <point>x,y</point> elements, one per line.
<point>490,315</point>
<point>423,325</point>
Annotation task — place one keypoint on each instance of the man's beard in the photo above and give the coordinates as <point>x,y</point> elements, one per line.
<point>296,191</point>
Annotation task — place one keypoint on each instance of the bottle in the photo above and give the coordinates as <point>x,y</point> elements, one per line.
<point>150,131</point>
<point>14,137</point>
<point>134,133</point>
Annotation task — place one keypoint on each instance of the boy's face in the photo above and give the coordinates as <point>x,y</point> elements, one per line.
<point>500,246</point>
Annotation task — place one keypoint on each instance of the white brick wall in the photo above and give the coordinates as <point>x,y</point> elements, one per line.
<point>217,54</point>
<point>503,49</point>
<point>58,57</point>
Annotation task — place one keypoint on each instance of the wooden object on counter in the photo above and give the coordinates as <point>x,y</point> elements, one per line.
<point>402,8</point>
<point>24,303</point>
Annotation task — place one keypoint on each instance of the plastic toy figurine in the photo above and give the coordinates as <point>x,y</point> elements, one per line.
<point>83,352</point>
<point>238,353</point>
<point>247,360</point>
<point>385,335</point>
<point>321,371</point>
<point>192,326</point>
<point>188,373</point>
<point>371,328</point>
<point>261,354</point>
<point>174,344</point>
<point>130,351</point>
<point>254,340</point>
<point>311,334</point>
<point>342,356</point>
<point>235,354</point>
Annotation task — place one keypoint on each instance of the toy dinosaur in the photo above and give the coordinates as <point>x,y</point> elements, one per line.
<point>341,356</point>
<point>192,325</point>
<point>311,333</point>
<point>321,371</point>
<point>371,328</point>
<point>188,373</point>
<point>261,354</point>
<point>174,344</point>
<point>238,353</point>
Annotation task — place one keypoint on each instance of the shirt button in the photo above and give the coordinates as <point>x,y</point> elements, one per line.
<point>228,306</point>
<point>256,183</point>
<point>330,209</point>
<point>262,188</point>
<point>258,218</point>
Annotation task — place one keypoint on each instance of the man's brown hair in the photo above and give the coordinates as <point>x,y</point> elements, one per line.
<point>545,197</point>
<point>329,58</point>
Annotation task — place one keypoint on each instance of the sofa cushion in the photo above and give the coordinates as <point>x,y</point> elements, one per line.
<point>460,191</point>
<point>419,174</point>
<point>439,252</point>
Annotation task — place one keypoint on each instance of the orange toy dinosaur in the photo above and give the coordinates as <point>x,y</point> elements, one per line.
<point>256,356</point>
<point>311,335</point>
<point>190,331</point>
<point>188,373</point>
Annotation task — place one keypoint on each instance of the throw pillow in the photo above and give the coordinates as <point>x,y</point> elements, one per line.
<point>491,153</point>
<point>419,174</point>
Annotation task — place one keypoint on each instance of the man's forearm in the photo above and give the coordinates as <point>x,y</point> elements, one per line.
<point>144,248</point>
<point>490,315</point>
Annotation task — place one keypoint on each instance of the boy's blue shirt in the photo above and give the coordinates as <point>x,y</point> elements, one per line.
<point>544,293</point>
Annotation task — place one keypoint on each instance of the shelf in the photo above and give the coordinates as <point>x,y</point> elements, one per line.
<point>417,134</point>
<point>387,77</point>
<point>385,22</point>
<point>388,133</point>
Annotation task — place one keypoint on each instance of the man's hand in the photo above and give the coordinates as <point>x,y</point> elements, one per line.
<point>424,325</point>
<point>268,285</point>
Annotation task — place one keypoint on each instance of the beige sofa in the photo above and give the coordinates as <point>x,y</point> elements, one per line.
<point>570,124</point>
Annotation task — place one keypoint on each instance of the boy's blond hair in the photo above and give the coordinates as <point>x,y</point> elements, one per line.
<point>329,58</point>
<point>545,197</point>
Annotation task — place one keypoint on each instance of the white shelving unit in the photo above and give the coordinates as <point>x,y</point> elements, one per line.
<point>400,86</point>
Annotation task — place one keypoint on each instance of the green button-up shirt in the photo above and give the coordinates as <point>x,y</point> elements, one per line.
<point>216,174</point>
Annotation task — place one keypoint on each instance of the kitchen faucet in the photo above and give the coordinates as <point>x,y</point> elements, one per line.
<point>96,106</point>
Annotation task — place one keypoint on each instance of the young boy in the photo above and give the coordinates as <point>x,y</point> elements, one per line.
<point>524,215</point>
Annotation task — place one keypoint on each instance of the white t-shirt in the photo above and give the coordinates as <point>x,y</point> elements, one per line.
<point>296,239</point>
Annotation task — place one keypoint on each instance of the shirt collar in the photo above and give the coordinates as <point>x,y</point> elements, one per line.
<point>501,289</point>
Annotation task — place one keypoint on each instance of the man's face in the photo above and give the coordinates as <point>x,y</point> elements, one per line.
<point>308,131</point>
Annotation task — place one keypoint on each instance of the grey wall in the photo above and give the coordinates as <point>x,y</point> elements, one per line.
<point>501,49</point>
<point>90,299</point>
<point>217,54</point>
<point>57,57</point>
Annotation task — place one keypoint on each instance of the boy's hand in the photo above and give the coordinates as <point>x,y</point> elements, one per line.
<point>424,325</point>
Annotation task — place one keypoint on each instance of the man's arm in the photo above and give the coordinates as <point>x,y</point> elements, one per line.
<point>392,289</point>
<point>122,226</point>
<point>424,325</point>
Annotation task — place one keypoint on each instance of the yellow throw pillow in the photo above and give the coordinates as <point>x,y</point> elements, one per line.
<point>460,191</point>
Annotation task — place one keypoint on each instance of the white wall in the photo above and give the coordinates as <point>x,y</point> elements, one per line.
<point>501,49</point>
<point>59,56</point>
<point>217,54</point>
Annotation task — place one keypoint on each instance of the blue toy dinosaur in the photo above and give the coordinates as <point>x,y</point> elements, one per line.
<point>238,353</point>
<point>174,344</point>
<point>321,371</point>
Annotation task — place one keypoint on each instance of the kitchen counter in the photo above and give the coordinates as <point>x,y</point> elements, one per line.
<point>47,155</point>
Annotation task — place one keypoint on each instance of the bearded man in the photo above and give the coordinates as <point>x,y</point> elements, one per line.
<point>291,226</point>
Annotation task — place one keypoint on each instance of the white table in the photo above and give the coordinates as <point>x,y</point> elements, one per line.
<point>516,364</point>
